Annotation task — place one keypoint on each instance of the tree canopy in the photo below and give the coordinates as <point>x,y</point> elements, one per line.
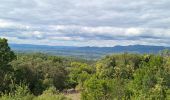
<point>38,76</point>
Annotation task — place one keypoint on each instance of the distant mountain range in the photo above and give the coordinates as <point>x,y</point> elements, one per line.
<point>86,52</point>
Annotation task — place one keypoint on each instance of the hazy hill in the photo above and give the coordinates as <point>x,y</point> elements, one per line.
<point>86,52</point>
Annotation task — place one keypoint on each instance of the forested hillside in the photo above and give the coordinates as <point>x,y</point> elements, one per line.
<point>125,76</point>
<point>91,53</point>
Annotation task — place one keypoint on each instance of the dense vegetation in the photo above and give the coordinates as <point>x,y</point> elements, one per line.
<point>114,77</point>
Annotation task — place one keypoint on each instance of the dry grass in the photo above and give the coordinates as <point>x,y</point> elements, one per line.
<point>73,96</point>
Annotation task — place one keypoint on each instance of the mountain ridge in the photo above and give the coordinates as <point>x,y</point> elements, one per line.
<point>86,52</point>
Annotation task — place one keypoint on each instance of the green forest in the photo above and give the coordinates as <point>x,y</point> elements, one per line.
<point>125,76</point>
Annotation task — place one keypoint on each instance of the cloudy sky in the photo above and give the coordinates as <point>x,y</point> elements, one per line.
<point>86,22</point>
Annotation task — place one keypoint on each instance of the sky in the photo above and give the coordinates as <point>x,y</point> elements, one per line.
<point>102,23</point>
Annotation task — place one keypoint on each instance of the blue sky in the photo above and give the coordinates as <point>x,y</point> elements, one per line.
<point>86,22</point>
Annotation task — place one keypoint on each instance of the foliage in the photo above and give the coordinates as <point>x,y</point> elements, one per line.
<point>51,94</point>
<point>97,89</point>
<point>40,72</point>
<point>20,93</point>
<point>131,76</point>
<point>38,76</point>
<point>6,70</point>
<point>149,80</point>
<point>78,73</point>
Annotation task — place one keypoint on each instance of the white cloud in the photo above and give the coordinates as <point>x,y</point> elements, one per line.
<point>4,24</point>
<point>133,31</point>
<point>87,22</point>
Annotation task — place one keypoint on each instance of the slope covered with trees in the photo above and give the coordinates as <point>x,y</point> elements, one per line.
<point>123,76</point>
<point>91,53</point>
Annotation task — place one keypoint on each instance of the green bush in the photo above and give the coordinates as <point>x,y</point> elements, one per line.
<point>21,93</point>
<point>51,94</point>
